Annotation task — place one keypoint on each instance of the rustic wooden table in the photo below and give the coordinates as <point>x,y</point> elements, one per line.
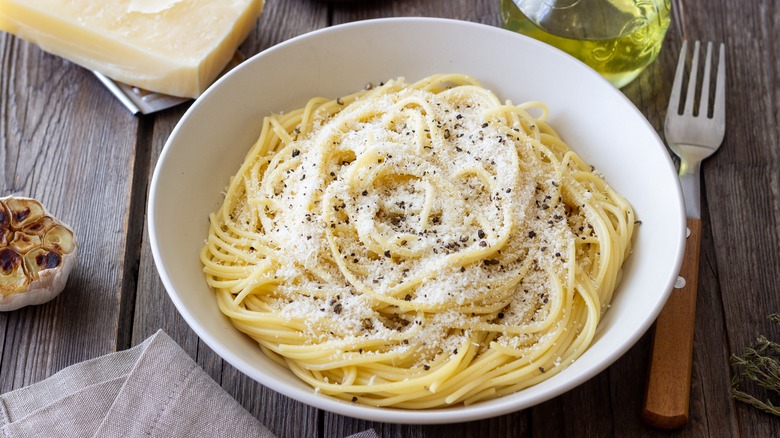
<point>65,140</point>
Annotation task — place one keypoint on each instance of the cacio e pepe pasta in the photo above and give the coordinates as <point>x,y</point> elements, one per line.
<point>417,245</point>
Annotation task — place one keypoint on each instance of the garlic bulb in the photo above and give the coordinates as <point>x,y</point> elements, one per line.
<point>37,253</point>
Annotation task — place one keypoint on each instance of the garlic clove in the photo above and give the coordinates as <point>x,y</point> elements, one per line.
<point>24,211</point>
<point>5,217</point>
<point>37,253</point>
<point>23,242</point>
<point>13,279</point>
<point>5,226</point>
<point>41,259</point>
<point>41,226</point>
<point>60,238</point>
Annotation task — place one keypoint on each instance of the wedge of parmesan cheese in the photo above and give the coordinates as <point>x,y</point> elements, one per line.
<point>175,47</point>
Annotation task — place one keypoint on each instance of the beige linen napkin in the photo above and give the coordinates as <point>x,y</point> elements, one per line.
<point>153,389</point>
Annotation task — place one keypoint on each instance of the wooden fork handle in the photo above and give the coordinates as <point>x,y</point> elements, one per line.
<point>669,377</point>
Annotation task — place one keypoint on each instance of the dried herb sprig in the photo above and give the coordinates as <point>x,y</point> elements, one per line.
<point>760,365</point>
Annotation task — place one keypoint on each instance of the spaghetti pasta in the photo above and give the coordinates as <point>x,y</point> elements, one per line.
<point>417,245</point>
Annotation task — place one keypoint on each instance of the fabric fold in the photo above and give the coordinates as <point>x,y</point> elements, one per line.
<point>153,389</point>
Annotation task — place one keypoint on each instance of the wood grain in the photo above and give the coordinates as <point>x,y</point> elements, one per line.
<point>669,377</point>
<point>741,187</point>
<point>66,141</point>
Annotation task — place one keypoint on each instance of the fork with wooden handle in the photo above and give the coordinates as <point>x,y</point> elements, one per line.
<point>692,137</point>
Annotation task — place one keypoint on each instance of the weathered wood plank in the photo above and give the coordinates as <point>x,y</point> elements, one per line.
<point>741,187</point>
<point>506,426</point>
<point>481,11</point>
<point>565,415</point>
<point>64,141</point>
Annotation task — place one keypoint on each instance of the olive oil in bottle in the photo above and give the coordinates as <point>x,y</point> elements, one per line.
<point>617,38</point>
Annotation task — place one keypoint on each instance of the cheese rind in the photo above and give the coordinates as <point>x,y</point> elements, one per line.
<point>173,47</point>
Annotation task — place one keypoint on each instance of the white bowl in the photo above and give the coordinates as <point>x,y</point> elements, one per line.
<point>210,141</point>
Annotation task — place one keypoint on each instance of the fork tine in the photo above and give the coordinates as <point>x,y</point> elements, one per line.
<point>674,97</point>
<point>692,81</point>
<point>704,101</point>
<point>719,111</point>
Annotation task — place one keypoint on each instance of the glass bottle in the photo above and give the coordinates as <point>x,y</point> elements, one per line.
<point>617,38</point>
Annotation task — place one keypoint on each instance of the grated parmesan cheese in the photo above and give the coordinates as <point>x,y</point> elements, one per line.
<point>406,226</point>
